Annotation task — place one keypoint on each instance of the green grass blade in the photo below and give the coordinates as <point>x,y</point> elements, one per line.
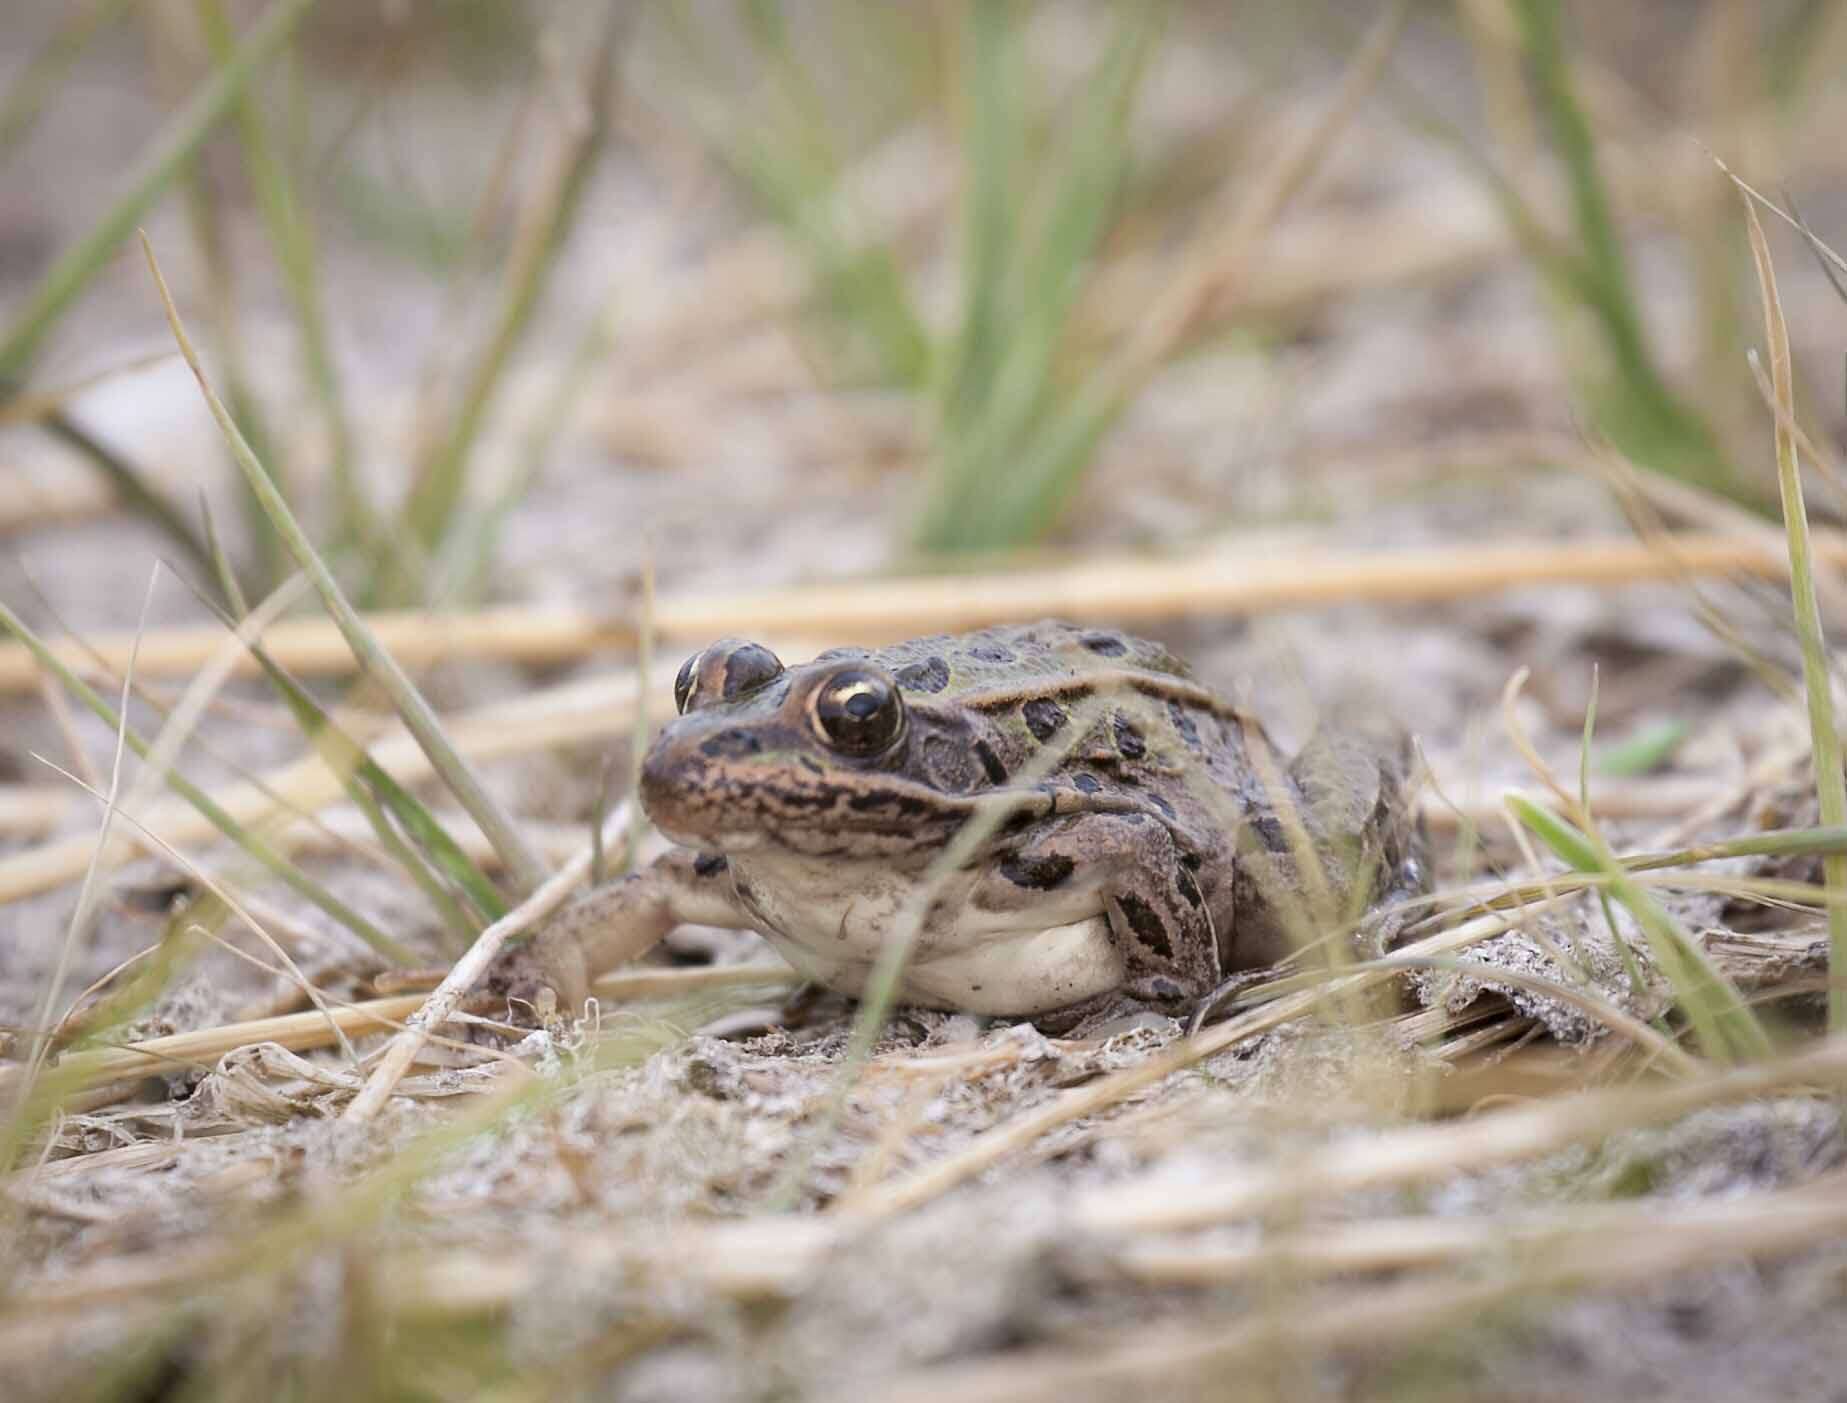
<point>523,865</point>
<point>1724,1023</point>
<point>992,484</point>
<point>1645,752</point>
<point>1824,738</point>
<point>372,789</point>
<point>207,224</point>
<point>291,234</point>
<point>377,794</point>
<point>257,847</point>
<point>992,157</point>
<point>71,273</point>
<point>1638,409</point>
<point>442,479</point>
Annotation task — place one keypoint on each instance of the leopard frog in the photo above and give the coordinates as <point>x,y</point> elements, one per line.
<point>1061,818</point>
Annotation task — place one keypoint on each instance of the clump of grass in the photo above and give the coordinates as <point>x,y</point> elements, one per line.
<point>1016,399</point>
<point>78,266</point>
<point>523,865</point>
<point>252,843</point>
<point>1727,1028</point>
<point>1613,366</point>
<point>287,221</point>
<point>440,480</point>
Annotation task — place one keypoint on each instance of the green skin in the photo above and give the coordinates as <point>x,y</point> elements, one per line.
<point>1148,842</point>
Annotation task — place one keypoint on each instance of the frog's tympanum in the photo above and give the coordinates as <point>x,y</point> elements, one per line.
<point>1065,824</point>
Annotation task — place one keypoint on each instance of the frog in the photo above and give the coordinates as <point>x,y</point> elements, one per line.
<point>1062,822</point>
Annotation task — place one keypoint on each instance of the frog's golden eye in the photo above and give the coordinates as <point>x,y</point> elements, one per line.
<point>683,682</point>
<point>858,712</point>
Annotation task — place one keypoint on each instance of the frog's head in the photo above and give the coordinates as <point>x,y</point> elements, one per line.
<point>816,758</point>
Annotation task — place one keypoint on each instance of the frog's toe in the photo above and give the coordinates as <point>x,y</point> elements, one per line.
<point>1105,1016</point>
<point>535,985</point>
<point>1227,990</point>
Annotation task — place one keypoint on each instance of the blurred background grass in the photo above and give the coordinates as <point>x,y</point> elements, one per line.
<point>989,229</point>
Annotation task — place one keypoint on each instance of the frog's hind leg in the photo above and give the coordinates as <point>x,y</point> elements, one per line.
<point>1347,794</point>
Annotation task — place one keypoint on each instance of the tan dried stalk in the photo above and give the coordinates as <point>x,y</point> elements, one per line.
<point>1124,588</point>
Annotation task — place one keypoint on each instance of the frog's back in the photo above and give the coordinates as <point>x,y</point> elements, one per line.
<point>1019,656</point>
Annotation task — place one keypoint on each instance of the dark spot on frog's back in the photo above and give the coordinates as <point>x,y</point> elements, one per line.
<point>1043,717</point>
<point>990,762</point>
<point>1037,873</point>
<point>991,653</point>
<point>1129,742</point>
<point>1088,784</point>
<point>930,676</point>
<point>1104,645</point>
<point>1183,724</point>
<point>1269,830</point>
<point>1146,924</point>
<point>731,744</point>
<point>710,864</point>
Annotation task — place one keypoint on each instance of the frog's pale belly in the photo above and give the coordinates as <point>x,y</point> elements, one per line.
<point>831,918</point>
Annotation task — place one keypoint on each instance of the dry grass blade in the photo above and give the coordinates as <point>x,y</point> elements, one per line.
<point>1432,1153</point>
<point>1727,1028</point>
<point>52,864</point>
<point>1127,588</point>
<point>562,715</point>
<point>1174,1361</point>
<point>304,1032</point>
<point>523,865</point>
<point>287,966</point>
<point>87,894</point>
<point>1830,783</point>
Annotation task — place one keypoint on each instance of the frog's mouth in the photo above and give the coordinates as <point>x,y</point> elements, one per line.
<point>737,825</point>
<point>744,803</point>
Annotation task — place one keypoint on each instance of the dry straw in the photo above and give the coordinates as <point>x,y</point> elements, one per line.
<point>1131,589</point>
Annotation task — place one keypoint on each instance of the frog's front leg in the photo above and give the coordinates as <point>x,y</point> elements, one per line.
<point>611,924</point>
<point>1129,869</point>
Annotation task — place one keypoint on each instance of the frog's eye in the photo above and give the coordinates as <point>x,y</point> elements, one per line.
<point>729,669</point>
<point>683,682</point>
<point>858,712</point>
<point>748,666</point>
